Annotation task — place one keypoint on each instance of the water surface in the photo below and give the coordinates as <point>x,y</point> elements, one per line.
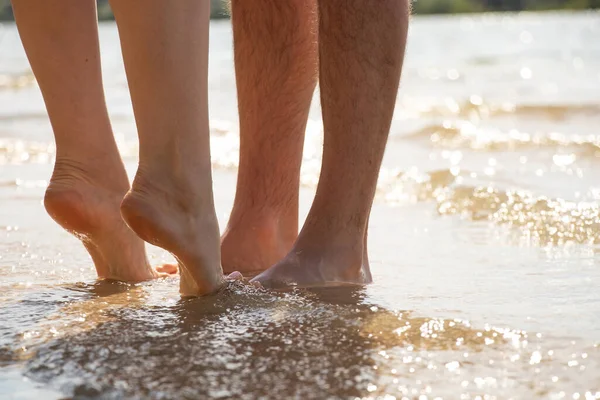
<point>484,239</point>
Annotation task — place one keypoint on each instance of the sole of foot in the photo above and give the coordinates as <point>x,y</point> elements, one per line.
<point>305,268</point>
<point>177,225</point>
<point>90,211</point>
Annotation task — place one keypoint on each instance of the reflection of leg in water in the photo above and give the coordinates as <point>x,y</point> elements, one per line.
<point>275,48</point>
<point>165,49</point>
<point>89,180</point>
<point>361,49</point>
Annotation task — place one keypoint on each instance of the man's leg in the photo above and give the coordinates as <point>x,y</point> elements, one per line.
<point>165,49</point>
<point>89,180</point>
<point>275,44</point>
<point>361,49</point>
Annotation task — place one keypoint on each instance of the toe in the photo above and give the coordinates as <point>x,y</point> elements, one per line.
<point>235,276</point>
<point>269,280</point>
<point>256,284</point>
<point>238,277</point>
<point>258,281</point>
<point>167,269</point>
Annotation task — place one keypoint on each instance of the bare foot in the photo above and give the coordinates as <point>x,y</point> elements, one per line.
<point>86,203</point>
<point>252,247</point>
<point>181,221</point>
<point>318,265</point>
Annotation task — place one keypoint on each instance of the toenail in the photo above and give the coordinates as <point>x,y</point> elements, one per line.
<point>235,276</point>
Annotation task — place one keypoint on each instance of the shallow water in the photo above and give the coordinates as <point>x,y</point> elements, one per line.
<point>484,239</point>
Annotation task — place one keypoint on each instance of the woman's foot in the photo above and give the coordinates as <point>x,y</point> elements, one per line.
<point>85,201</point>
<point>181,219</point>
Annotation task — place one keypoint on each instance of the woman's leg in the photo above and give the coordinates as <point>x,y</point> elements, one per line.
<point>165,48</point>
<point>89,180</point>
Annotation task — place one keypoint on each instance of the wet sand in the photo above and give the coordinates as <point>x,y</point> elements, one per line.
<point>483,245</point>
<point>448,314</point>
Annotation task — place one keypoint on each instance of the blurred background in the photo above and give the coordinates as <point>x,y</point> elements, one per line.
<point>484,236</point>
<point>219,7</point>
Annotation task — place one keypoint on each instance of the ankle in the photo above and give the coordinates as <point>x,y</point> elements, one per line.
<point>272,225</point>
<point>190,185</point>
<point>103,174</point>
<point>254,242</point>
<point>330,239</point>
<point>343,260</point>
<point>159,208</point>
<point>185,164</point>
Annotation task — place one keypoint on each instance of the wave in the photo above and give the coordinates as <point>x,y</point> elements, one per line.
<point>16,81</point>
<point>464,134</point>
<point>477,107</point>
<point>224,149</point>
<point>539,219</point>
<point>543,220</point>
<point>15,151</point>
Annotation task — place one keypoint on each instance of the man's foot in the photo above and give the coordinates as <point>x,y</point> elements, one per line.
<point>86,203</point>
<point>252,247</point>
<point>318,264</point>
<point>178,219</point>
